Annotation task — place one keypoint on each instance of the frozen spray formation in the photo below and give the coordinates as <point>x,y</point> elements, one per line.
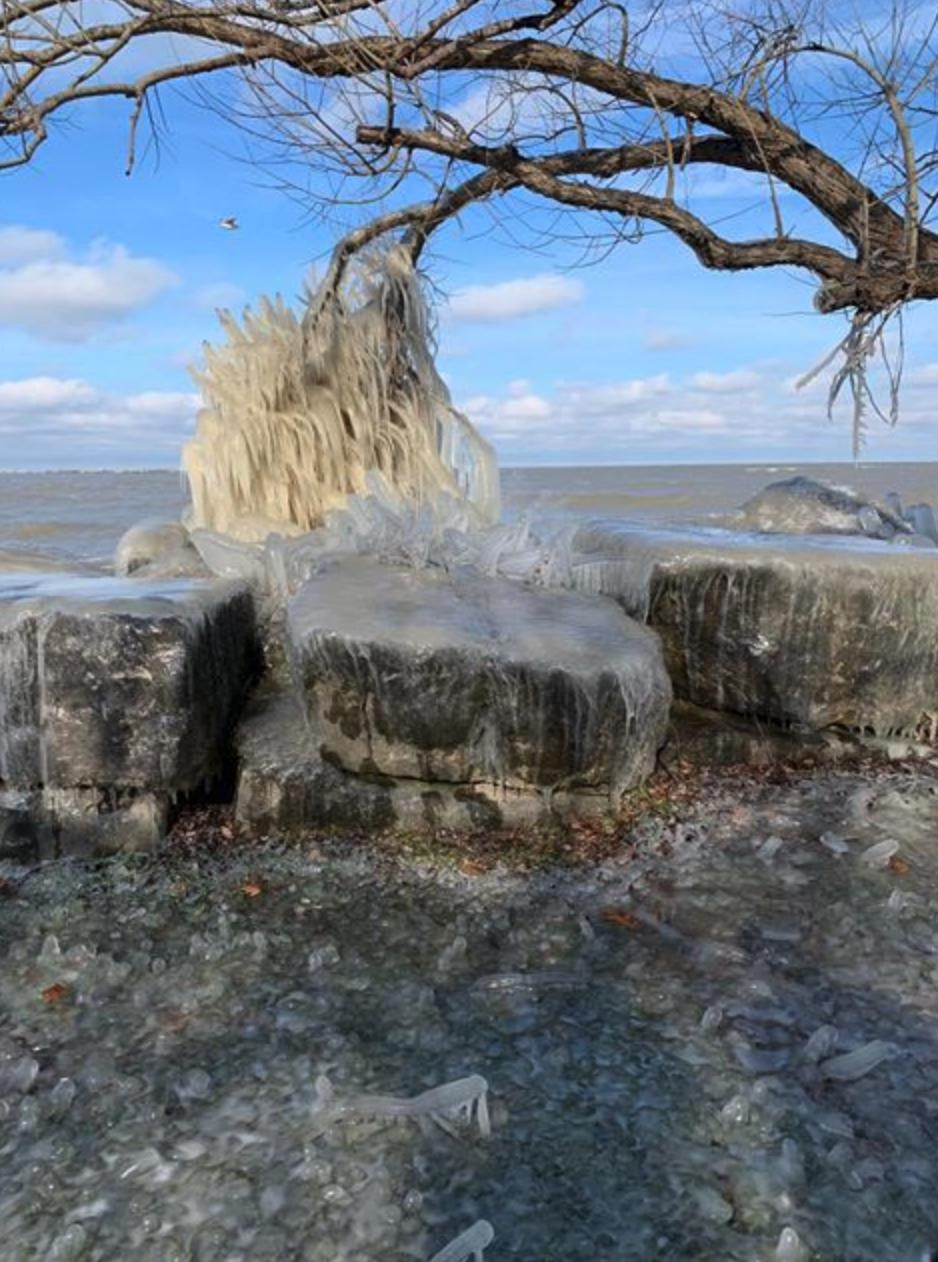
<point>303,412</point>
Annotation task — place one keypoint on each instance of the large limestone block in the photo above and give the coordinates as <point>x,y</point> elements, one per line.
<point>286,787</point>
<point>462,679</point>
<point>110,682</point>
<point>810,632</point>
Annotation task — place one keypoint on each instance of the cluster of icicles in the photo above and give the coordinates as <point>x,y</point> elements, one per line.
<point>303,413</point>
<point>332,432</point>
<point>463,1098</point>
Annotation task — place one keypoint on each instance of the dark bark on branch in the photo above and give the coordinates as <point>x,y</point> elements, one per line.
<point>889,257</point>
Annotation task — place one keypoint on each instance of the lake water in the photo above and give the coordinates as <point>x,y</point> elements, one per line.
<point>68,516</point>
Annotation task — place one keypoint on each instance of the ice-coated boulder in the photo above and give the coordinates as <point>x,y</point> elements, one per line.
<point>111,685</point>
<point>461,680</point>
<point>803,505</point>
<point>809,632</point>
<point>285,786</point>
<point>158,549</point>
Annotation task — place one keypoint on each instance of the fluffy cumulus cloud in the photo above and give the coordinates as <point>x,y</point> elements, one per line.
<point>746,413</point>
<point>43,417</point>
<point>513,298</point>
<point>51,293</point>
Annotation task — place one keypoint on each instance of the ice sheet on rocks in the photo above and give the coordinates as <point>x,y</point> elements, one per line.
<point>111,682</point>
<point>461,678</point>
<point>164,1030</point>
<point>810,631</point>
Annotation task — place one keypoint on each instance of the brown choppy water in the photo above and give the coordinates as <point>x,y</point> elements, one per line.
<point>64,516</point>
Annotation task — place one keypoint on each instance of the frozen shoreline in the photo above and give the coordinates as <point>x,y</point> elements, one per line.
<point>647,1019</point>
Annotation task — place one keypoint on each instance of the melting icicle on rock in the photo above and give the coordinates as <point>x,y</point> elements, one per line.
<point>463,1099</point>
<point>806,633</point>
<point>472,1243</point>
<point>114,696</point>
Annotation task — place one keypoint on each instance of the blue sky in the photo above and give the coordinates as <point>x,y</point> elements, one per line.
<point>109,284</point>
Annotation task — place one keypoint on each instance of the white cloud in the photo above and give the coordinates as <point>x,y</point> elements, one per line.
<point>221,295</point>
<point>748,413</point>
<point>19,245</point>
<point>37,394</point>
<point>76,413</point>
<point>736,382</point>
<point>927,375</point>
<point>513,298</point>
<point>53,296</point>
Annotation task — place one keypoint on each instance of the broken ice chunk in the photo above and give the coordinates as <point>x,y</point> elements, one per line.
<point>770,848</point>
<point>471,1243</point>
<point>789,1248</point>
<point>879,855</point>
<point>463,1097</point>
<point>820,1045</point>
<point>834,843</point>
<point>856,1064</point>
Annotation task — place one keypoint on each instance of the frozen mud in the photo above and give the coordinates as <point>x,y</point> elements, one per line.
<point>721,1045</point>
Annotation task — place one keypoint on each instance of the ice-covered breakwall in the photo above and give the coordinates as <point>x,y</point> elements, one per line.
<point>301,410</point>
<point>806,631</point>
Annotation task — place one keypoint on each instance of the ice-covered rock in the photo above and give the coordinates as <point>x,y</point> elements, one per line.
<point>286,787</point>
<point>114,695</point>
<point>808,632</point>
<point>158,549</point>
<point>459,679</point>
<point>803,505</point>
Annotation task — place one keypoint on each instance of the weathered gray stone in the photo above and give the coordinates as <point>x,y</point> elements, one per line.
<point>806,632</point>
<point>803,505</point>
<point>458,679</point>
<point>285,787</point>
<point>109,683</point>
<point>81,822</point>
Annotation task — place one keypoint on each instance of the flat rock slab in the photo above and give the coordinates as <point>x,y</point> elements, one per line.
<point>458,679</point>
<point>285,787</point>
<point>112,682</point>
<point>807,631</point>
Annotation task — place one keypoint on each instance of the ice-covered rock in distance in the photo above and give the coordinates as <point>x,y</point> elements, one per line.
<point>158,549</point>
<point>803,505</point>
<point>455,678</point>
<point>809,632</point>
<point>113,683</point>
